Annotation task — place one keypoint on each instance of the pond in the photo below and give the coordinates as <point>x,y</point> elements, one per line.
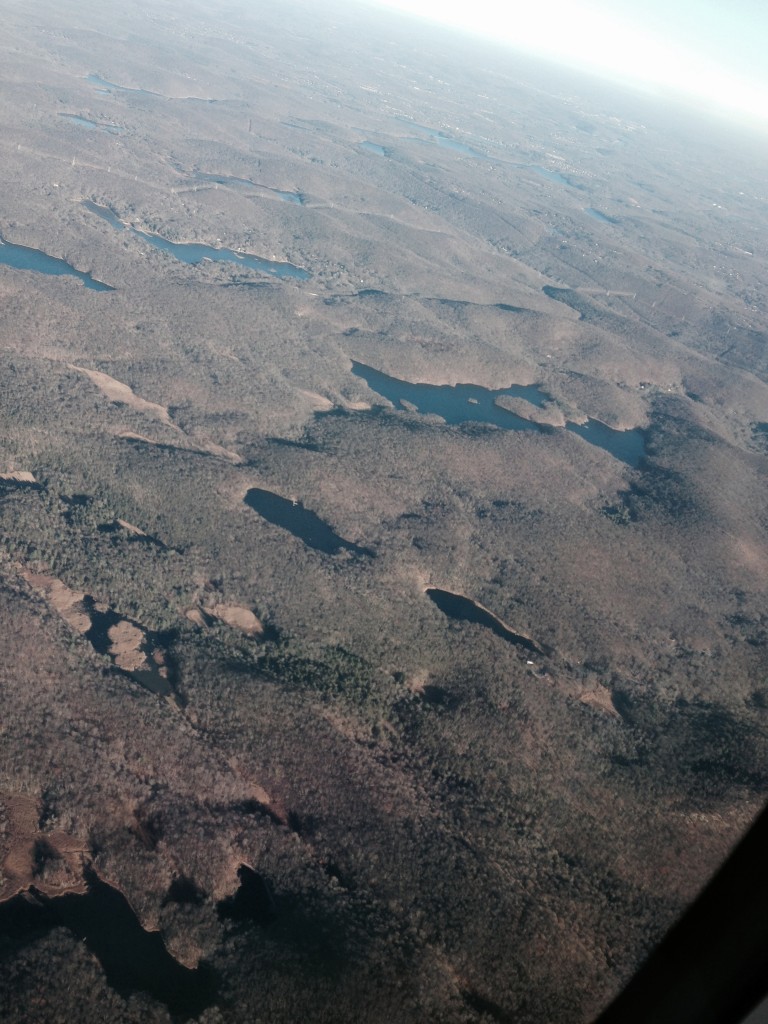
<point>23,257</point>
<point>196,252</point>
<point>301,522</point>
<point>84,122</point>
<point>463,609</point>
<point>465,403</point>
<point>133,960</point>
<point>149,675</point>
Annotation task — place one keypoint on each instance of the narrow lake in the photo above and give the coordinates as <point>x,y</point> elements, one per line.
<point>103,85</point>
<point>301,522</point>
<point>133,960</point>
<point>195,252</point>
<point>597,215</point>
<point>465,403</point>
<point>444,140</point>
<point>227,179</point>
<point>373,147</point>
<point>23,257</point>
<point>463,609</point>
<point>84,122</point>
<point>550,175</point>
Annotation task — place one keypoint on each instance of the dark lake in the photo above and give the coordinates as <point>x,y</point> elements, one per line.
<point>132,959</point>
<point>301,522</point>
<point>22,257</point>
<point>194,252</point>
<point>463,609</point>
<point>252,902</point>
<point>465,403</point>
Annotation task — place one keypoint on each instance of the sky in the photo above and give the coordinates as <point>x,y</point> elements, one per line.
<point>714,51</point>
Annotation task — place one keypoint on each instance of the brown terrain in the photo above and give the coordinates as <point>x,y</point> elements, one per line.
<point>250,768</point>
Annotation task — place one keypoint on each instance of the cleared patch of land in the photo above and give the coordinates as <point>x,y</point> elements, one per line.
<point>51,861</point>
<point>120,393</point>
<point>67,603</point>
<point>21,476</point>
<point>238,617</point>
